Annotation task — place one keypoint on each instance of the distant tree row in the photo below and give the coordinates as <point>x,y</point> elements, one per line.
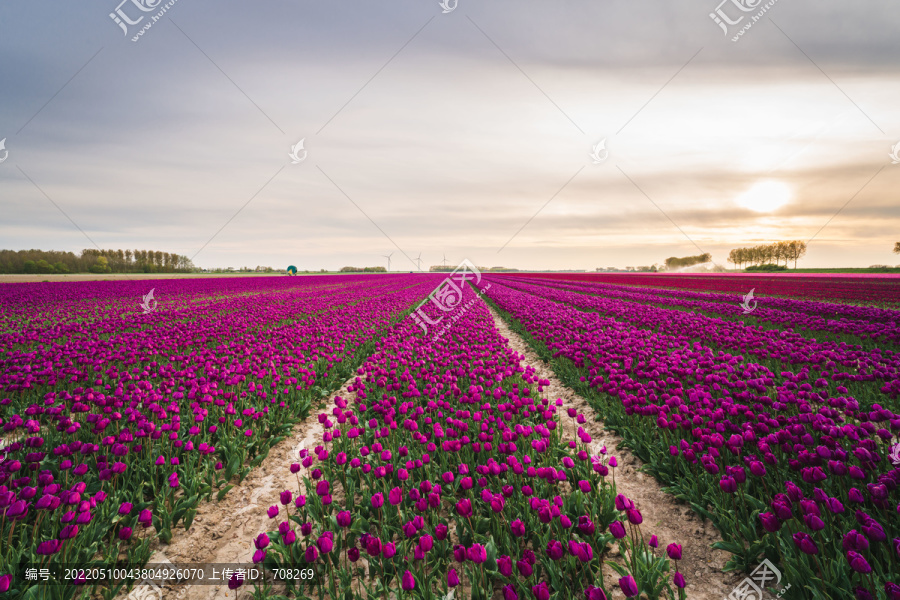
<point>363,270</point>
<point>897,248</point>
<point>93,261</point>
<point>673,262</point>
<point>769,254</point>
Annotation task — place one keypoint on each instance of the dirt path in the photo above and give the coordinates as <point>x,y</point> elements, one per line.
<point>223,532</point>
<point>664,516</point>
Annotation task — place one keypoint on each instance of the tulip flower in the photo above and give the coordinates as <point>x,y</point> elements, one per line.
<point>628,586</point>
<point>476,553</point>
<point>674,551</point>
<point>858,563</point>
<point>344,519</point>
<point>541,591</point>
<point>805,543</point>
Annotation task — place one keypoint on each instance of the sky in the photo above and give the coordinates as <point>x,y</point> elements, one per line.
<point>465,134</point>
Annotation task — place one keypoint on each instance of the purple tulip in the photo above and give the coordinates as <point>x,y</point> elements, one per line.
<point>452,578</point>
<point>344,519</point>
<point>524,567</point>
<point>891,590</point>
<point>728,484</point>
<point>585,525</point>
<point>617,528</point>
<point>325,544</point>
<point>541,591</point>
<point>770,522</point>
<point>48,547</point>
<point>234,582</point>
<point>862,593</point>
<point>476,553</point>
<point>408,581</point>
<point>853,540</point>
<point>805,543</point>
<point>628,586</point>
<point>674,551</point>
<point>858,563</point>
<point>464,508</point>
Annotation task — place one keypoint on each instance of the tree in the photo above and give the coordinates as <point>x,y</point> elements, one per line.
<point>101,266</point>
<point>798,250</point>
<point>897,248</point>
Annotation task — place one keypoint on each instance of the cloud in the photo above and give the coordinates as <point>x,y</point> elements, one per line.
<point>447,142</point>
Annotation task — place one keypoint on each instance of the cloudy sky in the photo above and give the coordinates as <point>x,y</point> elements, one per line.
<point>465,134</point>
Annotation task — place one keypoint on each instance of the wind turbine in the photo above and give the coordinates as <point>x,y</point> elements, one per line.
<point>419,261</point>
<point>445,260</point>
<point>388,256</point>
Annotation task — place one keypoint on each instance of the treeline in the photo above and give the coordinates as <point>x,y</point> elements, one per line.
<point>450,269</point>
<point>93,261</point>
<point>673,262</point>
<point>363,270</point>
<point>769,254</point>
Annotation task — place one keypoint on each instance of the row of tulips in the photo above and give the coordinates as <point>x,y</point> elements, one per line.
<point>846,288</point>
<point>117,423</point>
<point>842,321</point>
<point>849,368</point>
<point>787,470</point>
<point>447,472</point>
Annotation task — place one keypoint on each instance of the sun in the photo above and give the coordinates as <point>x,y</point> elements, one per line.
<point>765,196</point>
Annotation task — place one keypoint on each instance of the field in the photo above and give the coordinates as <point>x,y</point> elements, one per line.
<point>484,446</point>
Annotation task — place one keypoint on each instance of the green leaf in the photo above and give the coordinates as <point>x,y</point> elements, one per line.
<point>223,491</point>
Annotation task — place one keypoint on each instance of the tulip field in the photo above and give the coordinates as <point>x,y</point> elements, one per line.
<point>444,471</point>
<point>779,425</point>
